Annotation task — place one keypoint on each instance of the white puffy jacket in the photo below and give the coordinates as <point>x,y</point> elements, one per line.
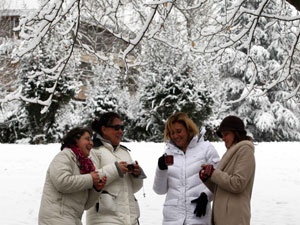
<point>182,184</point>
<point>117,203</point>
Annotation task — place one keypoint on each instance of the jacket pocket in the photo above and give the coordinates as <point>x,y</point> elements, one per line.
<point>170,210</point>
<point>135,209</point>
<point>107,203</point>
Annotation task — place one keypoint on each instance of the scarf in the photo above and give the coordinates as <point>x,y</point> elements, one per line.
<point>85,164</point>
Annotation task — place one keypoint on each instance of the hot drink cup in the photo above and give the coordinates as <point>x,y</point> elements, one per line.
<point>169,160</point>
<point>130,166</point>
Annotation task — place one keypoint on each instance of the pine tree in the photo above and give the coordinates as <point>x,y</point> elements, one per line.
<point>36,82</point>
<point>174,88</point>
<point>267,115</point>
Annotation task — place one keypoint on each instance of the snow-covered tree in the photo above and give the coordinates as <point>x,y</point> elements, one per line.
<point>267,116</point>
<point>38,83</point>
<point>249,48</point>
<point>211,27</point>
<point>173,86</point>
<point>237,24</point>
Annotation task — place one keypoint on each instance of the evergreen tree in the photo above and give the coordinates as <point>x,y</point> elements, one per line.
<point>170,92</point>
<point>243,70</point>
<point>39,81</point>
<point>36,80</point>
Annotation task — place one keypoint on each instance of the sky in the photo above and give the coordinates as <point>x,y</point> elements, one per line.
<point>275,197</point>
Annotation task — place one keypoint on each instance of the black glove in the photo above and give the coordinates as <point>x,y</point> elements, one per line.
<point>201,203</point>
<point>161,163</point>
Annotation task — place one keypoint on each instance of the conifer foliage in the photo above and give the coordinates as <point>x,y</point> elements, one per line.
<point>171,92</point>
<point>149,60</point>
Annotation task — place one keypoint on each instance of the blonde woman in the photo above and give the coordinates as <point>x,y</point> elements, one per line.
<point>187,199</point>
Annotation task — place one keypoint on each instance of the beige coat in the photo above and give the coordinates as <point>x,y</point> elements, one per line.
<point>67,193</point>
<point>232,184</point>
<point>117,203</point>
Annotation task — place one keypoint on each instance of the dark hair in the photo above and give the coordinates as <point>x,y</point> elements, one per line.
<point>241,137</point>
<point>236,125</point>
<point>73,135</point>
<point>105,119</point>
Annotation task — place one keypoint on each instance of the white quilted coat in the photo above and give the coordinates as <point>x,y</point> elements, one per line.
<point>117,203</point>
<point>181,183</point>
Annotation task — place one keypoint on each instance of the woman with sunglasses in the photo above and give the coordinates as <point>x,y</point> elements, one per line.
<point>117,203</point>
<point>70,179</point>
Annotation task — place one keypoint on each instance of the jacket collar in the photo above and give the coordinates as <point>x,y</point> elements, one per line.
<point>231,151</point>
<point>100,141</point>
<point>192,144</point>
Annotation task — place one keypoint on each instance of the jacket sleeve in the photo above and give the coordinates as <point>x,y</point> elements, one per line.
<point>210,185</point>
<point>244,168</point>
<point>212,157</point>
<point>160,185</point>
<point>137,181</point>
<point>111,171</point>
<point>63,178</point>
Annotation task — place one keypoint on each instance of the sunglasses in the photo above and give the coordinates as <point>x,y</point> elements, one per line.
<point>117,127</point>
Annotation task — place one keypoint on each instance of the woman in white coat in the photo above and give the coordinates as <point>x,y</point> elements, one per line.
<point>70,178</point>
<point>117,203</point>
<point>187,199</point>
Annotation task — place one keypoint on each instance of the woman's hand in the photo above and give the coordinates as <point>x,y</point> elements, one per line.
<point>98,182</point>
<point>136,171</point>
<point>101,183</point>
<point>133,168</point>
<point>206,172</point>
<point>123,167</point>
<point>95,176</point>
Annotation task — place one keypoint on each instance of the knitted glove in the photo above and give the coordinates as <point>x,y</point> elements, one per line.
<point>161,163</point>
<point>201,202</point>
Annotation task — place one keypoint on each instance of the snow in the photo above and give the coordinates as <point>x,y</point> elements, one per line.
<point>275,198</point>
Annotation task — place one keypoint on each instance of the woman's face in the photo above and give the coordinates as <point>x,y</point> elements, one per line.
<point>228,138</point>
<point>113,132</point>
<point>85,144</point>
<point>179,135</point>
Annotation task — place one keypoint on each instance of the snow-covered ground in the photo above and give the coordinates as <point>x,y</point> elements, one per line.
<point>275,199</point>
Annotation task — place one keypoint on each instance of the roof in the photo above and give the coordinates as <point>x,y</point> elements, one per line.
<point>17,7</point>
<point>19,4</point>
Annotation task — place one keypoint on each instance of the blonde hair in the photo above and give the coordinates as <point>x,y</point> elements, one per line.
<point>183,119</point>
